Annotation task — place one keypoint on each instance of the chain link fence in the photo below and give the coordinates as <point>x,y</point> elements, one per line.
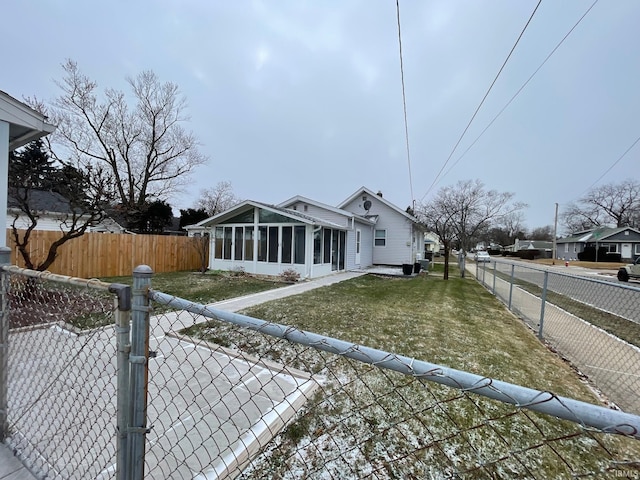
<point>179,390</point>
<point>58,374</point>
<point>238,397</point>
<point>593,323</point>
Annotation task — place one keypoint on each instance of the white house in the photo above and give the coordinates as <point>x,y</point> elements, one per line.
<point>311,237</point>
<point>53,211</point>
<point>19,125</point>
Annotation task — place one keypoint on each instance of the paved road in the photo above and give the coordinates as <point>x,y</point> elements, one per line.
<point>610,363</point>
<point>584,285</point>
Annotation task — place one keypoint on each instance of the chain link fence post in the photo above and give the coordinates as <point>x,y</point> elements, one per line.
<point>495,266</point>
<point>513,272</point>
<point>543,302</point>
<point>123,348</point>
<point>5,259</point>
<point>139,373</point>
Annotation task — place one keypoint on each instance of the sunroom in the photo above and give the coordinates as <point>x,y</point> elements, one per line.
<point>264,239</point>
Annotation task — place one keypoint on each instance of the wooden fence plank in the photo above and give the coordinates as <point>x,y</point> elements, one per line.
<point>99,255</point>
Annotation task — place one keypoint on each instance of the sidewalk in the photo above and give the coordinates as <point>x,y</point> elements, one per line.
<point>240,303</point>
<point>11,467</point>
<point>609,362</point>
<point>241,432</point>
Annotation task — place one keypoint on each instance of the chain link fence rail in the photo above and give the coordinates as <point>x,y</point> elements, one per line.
<point>238,397</point>
<point>58,373</point>
<point>595,324</point>
<point>178,390</point>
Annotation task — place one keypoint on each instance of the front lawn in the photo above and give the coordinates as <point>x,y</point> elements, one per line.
<point>95,310</point>
<point>371,422</point>
<point>212,286</point>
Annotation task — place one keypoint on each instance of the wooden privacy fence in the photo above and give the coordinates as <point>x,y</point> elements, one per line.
<point>96,255</point>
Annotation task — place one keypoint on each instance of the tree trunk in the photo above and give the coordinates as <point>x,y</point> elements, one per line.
<point>446,261</point>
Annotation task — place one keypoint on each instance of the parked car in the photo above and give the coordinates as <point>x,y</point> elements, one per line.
<point>482,256</point>
<point>630,271</point>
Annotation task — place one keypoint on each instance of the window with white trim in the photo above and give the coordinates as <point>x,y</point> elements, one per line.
<point>380,239</point>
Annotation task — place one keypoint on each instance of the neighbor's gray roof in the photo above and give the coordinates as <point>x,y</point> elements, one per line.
<point>42,201</point>
<point>600,233</point>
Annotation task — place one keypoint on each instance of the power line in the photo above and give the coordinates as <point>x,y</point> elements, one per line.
<point>521,88</point>
<point>404,105</point>
<point>612,165</point>
<point>483,99</point>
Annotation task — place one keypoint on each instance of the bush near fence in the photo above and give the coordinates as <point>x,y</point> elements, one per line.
<point>110,254</point>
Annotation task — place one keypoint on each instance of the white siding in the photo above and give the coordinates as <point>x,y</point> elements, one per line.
<point>399,246</point>
<point>48,222</point>
<point>366,250</point>
<point>45,222</point>
<point>322,213</point>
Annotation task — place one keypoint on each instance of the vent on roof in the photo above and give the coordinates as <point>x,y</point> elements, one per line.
<point>364,198</point>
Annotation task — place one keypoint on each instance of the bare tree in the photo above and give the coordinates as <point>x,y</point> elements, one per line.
<point>438,217</point>
<point>542,233</point>
<point>200,243</point>
<point>37,186</point>
<point>145,147</point>
<point>217,199</point>
<point>611,204</point>
<point>465,210</point>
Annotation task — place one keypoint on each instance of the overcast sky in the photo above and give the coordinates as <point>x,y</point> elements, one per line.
<point>304,97</point>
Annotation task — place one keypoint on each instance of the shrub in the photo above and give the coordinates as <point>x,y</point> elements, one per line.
<point>589,255</point>
<point>290,275</point>
<point>528,254</point>
<point>238,272</point>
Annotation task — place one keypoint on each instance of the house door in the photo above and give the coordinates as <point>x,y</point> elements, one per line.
<point>625,252</point>
<point>338,240</point>
<point>358,241</point>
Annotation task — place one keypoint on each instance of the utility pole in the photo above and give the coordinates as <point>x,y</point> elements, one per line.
<point>555,229</point>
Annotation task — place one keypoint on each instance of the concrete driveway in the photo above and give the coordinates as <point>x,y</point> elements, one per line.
<point>210,409</point>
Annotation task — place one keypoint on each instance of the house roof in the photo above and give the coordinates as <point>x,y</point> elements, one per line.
<point>346,213</point>
<point>596,234</point>
<point>42,201</point>
<point>46,201</point>
<point>386,202</point>
<point>534,244</point>
<point>25,124</point>
<point>293,214</point>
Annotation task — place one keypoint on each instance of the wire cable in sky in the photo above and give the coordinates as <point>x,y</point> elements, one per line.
<point>404,106</point>
<point>483,99</point>
<point>521,88</point>
<point>612,165</point>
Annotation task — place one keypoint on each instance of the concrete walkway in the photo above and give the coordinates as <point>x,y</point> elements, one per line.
<point>240,303</point>
<point>184,420</point>
<point>11,467</point>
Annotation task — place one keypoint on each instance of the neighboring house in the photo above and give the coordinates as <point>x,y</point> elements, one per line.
<point>544,247</point>
<point>431,244</point>
<point>53,210</point>
<point>311,237</point>
<point>623,240</point>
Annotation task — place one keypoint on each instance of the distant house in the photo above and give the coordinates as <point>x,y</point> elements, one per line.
<point>311,237</point>
<point>53,213</point>
<point>544,247</point>
<point>431,244</point>
<point>622,240</point>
